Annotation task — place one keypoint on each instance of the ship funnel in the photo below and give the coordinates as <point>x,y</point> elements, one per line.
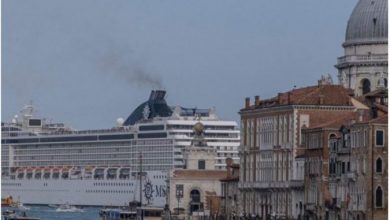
<point>157,95</point>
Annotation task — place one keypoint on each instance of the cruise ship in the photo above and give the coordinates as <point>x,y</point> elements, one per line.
<point>49,163</point>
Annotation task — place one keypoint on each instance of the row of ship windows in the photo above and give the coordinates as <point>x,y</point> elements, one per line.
<point>109,191</point>
<point>146,157</point>
<point>84,138</point>
<point>113,184</point>
<point>227,155</point>
<point>133,144</point>
<point>72,162</point>
<point>68,150</point>
<point>11,184</point>
<point>47,161</point>
<point>71,145</point>
<point>159,177</point>
<point>227,148</point>
<point>208,135</point>
<point>37,190</point>
<point>207,127</point>
<point>168,166</point>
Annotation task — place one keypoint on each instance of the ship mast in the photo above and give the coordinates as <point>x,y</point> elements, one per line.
<point>140,178</point>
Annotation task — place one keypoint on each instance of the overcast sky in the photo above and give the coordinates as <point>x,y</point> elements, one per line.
<point>88,62</point>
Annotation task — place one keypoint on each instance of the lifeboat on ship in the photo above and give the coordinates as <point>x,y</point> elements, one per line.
<point>99,173</point>
<point>88,171</point>
<point>20,172</point>
<point>38,173</point>
<point>46,173</point>
<point>75,173</point>
<point>65,173</point>
<point>56,173</point>
<point>29,173</point>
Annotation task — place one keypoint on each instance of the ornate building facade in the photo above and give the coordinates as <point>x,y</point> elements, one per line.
<point>296,162</point>
<point>358,173</point>
<point>364,65</point>
<point>230,200</point>
<point>197,187</point>
<point>271,166</point>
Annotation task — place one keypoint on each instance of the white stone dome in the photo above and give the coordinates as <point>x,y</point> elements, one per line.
<point>367,23</point>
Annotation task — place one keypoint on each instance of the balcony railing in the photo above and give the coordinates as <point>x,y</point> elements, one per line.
<point>271,184</point>
<point>296,183</point>
<point>343,150</point>
<point>362,58</point>
<point>310,206</point>
<point>351,176</point>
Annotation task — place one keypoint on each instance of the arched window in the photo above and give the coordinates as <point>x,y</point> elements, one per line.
<point>195,195</point>
<point>379,165</point>
<point>195,204</point>
<point>366,86</point>
<point>379,197</point>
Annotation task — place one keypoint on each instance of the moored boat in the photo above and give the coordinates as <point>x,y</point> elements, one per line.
<point>7,201</point>
<point>68,208</point>
<point>11,215</point>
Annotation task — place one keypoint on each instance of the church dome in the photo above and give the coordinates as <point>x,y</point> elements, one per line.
<point>367,23</point>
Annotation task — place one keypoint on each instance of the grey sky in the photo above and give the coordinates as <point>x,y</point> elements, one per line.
<point>89,62</point>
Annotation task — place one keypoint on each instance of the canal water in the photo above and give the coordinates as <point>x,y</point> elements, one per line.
<point>48,213</point>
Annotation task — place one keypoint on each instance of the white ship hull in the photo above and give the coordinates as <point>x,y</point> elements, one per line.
<point>87,192</point>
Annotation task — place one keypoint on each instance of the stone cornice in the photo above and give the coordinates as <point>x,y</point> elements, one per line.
<point>283,108</point>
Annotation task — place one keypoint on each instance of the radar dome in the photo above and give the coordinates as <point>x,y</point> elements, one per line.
<point>119,122</point>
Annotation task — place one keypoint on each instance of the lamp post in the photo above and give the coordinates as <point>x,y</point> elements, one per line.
<point>179,195</point>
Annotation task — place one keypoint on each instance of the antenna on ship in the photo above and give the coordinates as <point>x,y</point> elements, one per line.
<point>28,110</point>
<point>140,178</point>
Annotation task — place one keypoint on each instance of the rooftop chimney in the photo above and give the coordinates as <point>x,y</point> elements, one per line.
<point>257,100</point>
<point>289,98</point>
<point>280,98</point>
<point>321,101</point>
<point>247,102</point>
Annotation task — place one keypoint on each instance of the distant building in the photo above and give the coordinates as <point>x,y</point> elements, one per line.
<point>230,199</point>
<point>299,153</point>
<point>271,166</point>
<point>197,187</point>
<point>318,142</point>
<point>358,172</point>
<point>364,64</point>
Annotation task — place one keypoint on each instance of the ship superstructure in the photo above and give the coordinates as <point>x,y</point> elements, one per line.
<point>49,155</point>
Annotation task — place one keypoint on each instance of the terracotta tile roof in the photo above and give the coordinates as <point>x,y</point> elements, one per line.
<point>197,174</point>
<point>337,122</point>
<point>377,93</point>
<point>383,108</point>
<point>380,120</point>
<point>231,179</point>
<point>334,95</point>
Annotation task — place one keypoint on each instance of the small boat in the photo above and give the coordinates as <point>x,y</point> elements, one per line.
<point>11,215</point>
<point>68,208</point>
<point>125,213</point>
<point>7,201</point>
<point>117,214</point>
<point>20,206</point>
